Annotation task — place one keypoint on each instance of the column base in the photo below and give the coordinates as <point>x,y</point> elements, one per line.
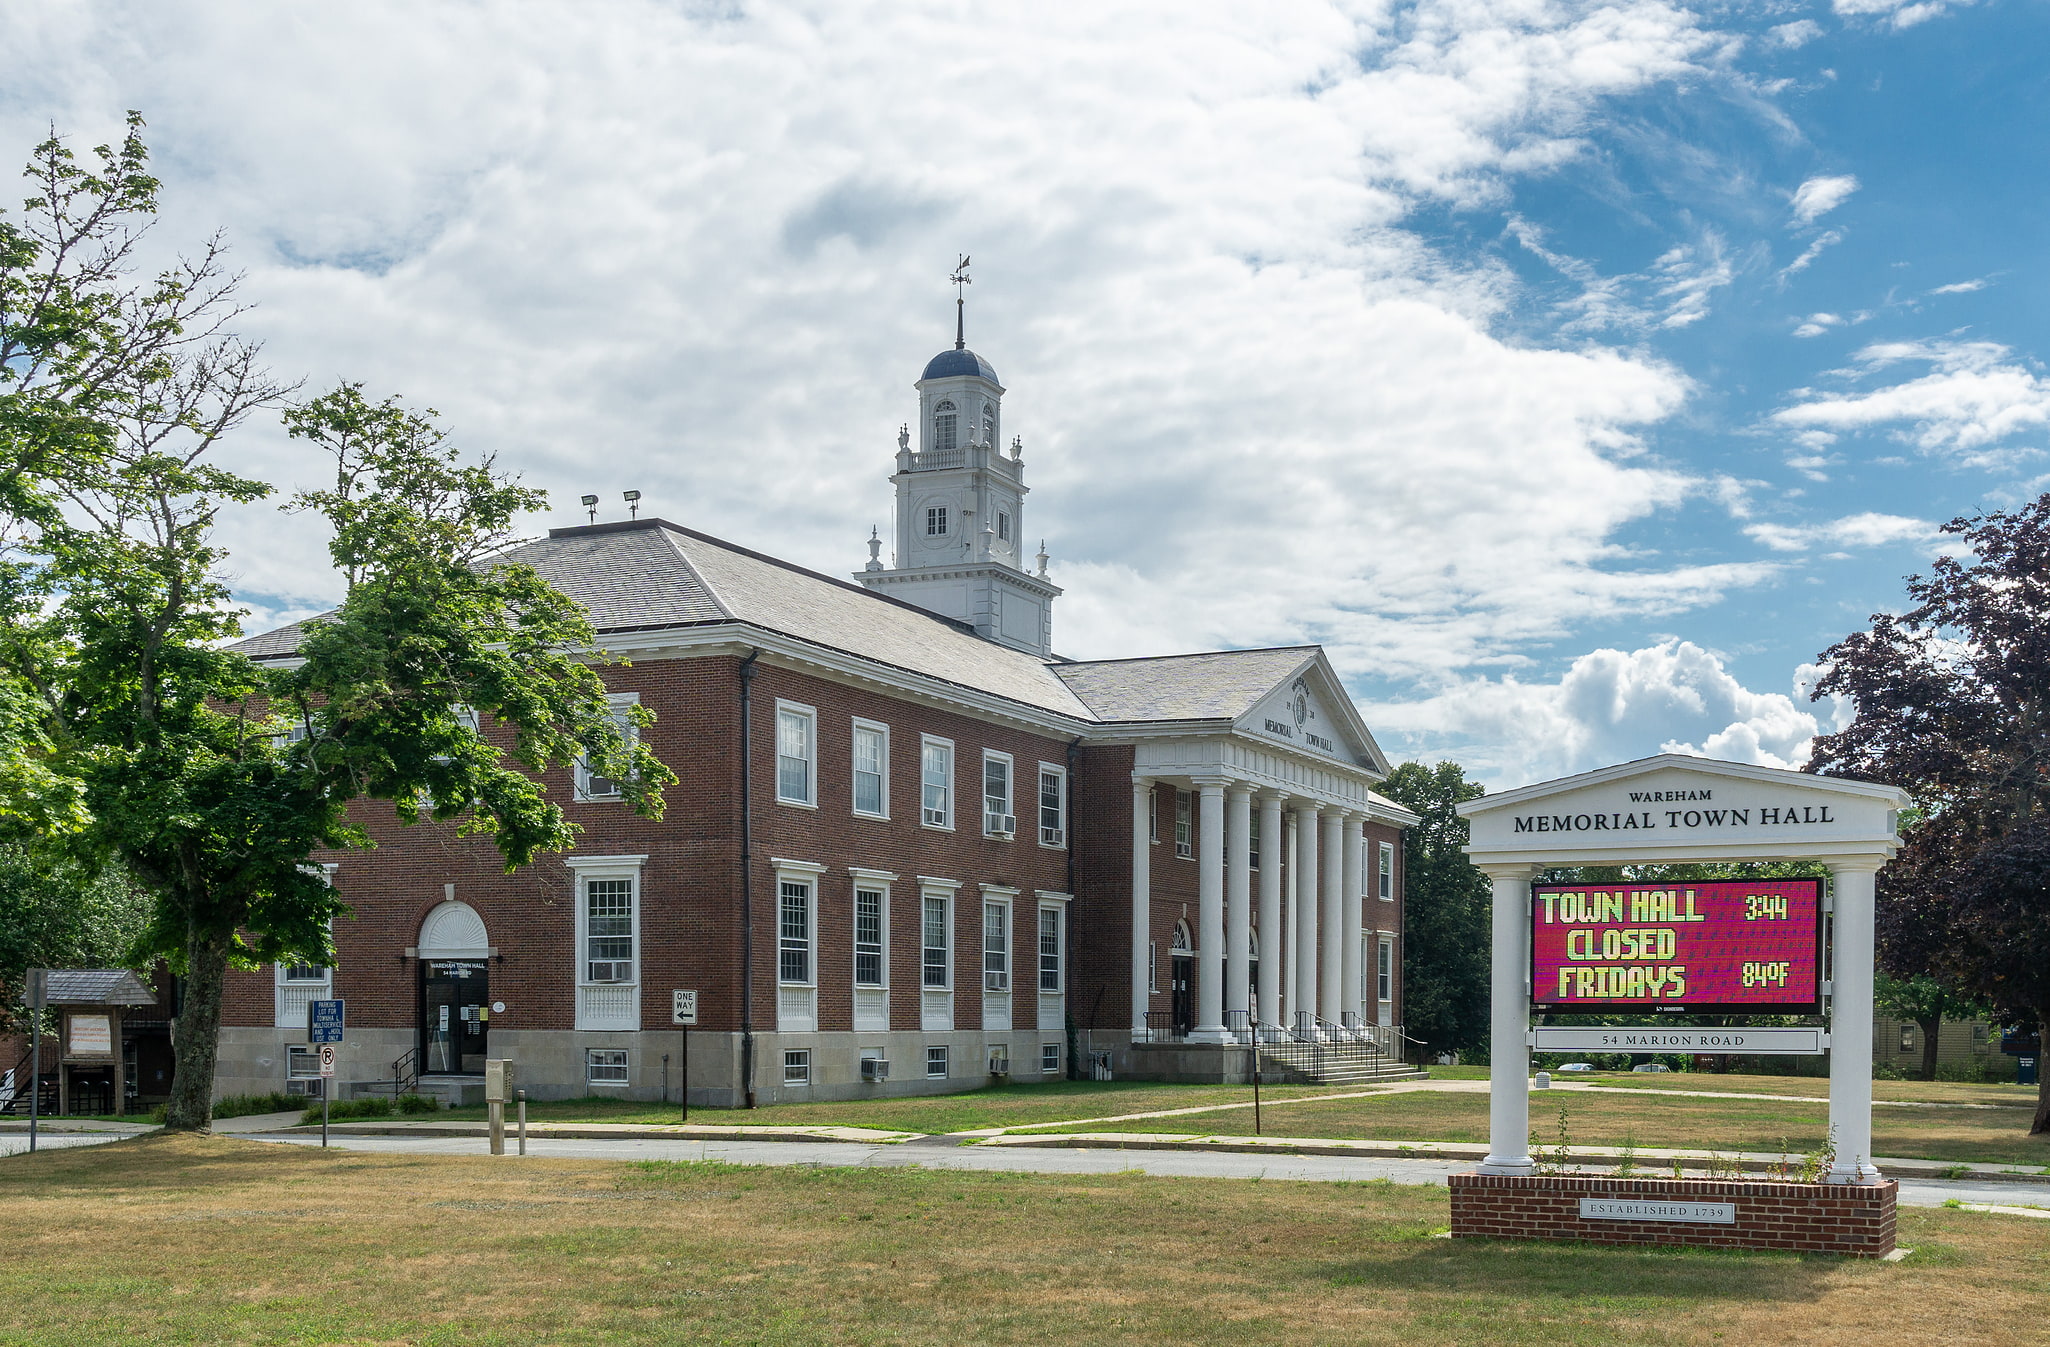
<point>1860,1174</point>
<point>1211,1033</point>
<point>1504,1165</point>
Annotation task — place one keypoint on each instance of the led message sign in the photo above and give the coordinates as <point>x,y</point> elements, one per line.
<point>1727,945</point>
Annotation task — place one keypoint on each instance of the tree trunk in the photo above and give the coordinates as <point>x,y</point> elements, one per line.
<point>199,1035</point>
<point>2042,1119</point>
<point>1932,1039</point>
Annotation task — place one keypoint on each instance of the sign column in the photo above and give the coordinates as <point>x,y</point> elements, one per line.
<point>1850,1022</point>
<point>1509,1021</point>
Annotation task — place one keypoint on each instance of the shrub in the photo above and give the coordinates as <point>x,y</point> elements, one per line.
<point>249,1105</point>
<point>1979,1071</point>
<point>370,1106</point>
<point>419,1103</point>
<point>1887,1071</point>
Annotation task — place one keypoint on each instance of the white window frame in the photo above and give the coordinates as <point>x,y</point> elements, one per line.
<point>1153,815</point>
<point>1384,872</point>
<point>1184,824</point>
<point>618,702</point>
<point>1384,970</point>
<point>937,1052</point>
<point>997,979</point>
<point>1049,1059</point>
<point>809,883</point>
<point>800,1060</point>
<point>1253,839</point>
<point>1153,966</point>
<point>882,889</point>
<point>881,731</point>
<point>1059,912</point>
<point>936,514</point>
<point>808,717</point>
<point>945,820</point>
<point>992,821</point>
<point>583,869</point>
<point>1058,838</point>
<point>625,1065</point>
<point>945,898</point>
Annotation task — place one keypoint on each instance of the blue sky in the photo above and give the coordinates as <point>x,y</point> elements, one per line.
<point>1575,372</point>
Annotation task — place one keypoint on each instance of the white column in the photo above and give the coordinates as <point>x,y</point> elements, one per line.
<point>1509,1024</point>
<point>1331,924</point>
<point>1304,975</point>
<point>1273,844</point>
<point>1355,931</point>
<point>1209,1027</point>
<point>1142,900</point>
<point>1850,1022</point>
<point>1238,900</point>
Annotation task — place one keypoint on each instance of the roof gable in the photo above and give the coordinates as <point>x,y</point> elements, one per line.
<point>1309,709</point>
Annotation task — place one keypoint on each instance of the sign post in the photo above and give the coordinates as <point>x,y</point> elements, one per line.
<point>38,984</point>
<point>324,1025</point>
<point>327,1075</point>
<point>683,1011</point>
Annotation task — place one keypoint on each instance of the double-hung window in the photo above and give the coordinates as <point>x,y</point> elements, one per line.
<point>1385,879</point>
<point>589,785</point>
<point>793,931</point>
<point>871,769</point>
<point>997,818</point>
<point>935,957</point>
<point>996,947</point>
<point>608,930</point>
<point>796,754</point>
<point>1384,970</point>
<point>1049,949</point>
<point>1053,806</point>
<point>868,937</point>
<point>936,783</point>
<point>1184,825</point>
<point>1253,841</point>
<point>935,521</point>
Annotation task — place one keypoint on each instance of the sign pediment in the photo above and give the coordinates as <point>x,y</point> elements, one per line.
<point>1674,807</point>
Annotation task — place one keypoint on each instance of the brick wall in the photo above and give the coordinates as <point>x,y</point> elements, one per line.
<point>1810,1217</point>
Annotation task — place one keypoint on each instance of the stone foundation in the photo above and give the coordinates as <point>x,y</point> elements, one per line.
<point>1853,1219</point>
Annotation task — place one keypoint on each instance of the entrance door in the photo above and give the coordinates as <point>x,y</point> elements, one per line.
<point>1182,974</point>
<point>455,1015</point>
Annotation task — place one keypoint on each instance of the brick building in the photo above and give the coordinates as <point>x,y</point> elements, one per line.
<point>906,832</point>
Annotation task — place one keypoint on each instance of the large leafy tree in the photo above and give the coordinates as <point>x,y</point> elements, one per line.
<point>1446,911</point>
<point>57,911</point>
<point>443,683</point>
<point>1953,706</point>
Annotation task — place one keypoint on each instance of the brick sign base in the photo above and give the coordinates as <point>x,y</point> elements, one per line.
<point>1811,1217</point>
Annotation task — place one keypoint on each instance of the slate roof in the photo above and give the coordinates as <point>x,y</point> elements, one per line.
<point>1218,685</point>
<point>651,574</point>
<point>95,987</point>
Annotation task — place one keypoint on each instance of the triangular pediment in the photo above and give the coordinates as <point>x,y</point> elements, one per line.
<point>1310,711</point>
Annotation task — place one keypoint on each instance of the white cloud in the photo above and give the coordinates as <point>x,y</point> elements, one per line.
<point>1819,196</point>
<point>1795,34</point>
<point>1869,529</point>
<point>1960,287</point>
<point>1674,291</point>
<point>1815,324</point>
<point>1975,398</point>
<point>1610,704</point>
<point>1898,13</point>
<point>1829,238</point>
<point>701,254</point>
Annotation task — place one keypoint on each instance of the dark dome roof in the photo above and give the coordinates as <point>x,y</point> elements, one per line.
<point>950,363</point>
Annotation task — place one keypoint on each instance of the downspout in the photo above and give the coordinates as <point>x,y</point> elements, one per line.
<point>1067,924</point>
<point>747,907</point>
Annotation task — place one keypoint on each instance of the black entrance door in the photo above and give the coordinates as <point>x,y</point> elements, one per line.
<point>455,1015</point>
<point>1182,975</point>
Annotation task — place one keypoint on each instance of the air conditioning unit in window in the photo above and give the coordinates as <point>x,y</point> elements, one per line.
<point>601,788</point>
<point>1053,837</point>
<point>999,1066</point>
<point>875,1068</point>
<point>996,982</point>
<point>1000,825</point>
<point>936,817</point>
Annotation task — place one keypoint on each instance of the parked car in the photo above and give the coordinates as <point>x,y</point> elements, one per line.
<point>1578,1066</point>
<point>1651,1066</point>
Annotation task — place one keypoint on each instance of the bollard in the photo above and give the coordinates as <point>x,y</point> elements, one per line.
<point>1543,1080</point>
<point>523,1122</point>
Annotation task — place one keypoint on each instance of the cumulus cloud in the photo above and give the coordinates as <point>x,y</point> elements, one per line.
<point>1898,13</point>
<point>1795,34</point>
<point>1869,529</point>
<point>1974,399</point>
<point>1671,697</point>
<point>1819,196</point>
<point>1815,324</point>
<point>1960,287</point>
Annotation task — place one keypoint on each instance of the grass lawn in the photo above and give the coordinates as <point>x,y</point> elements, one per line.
<point>997,1106</point>
<point>180,1239</point>
<point>1814,1087</point>
<point>1653,1121</point>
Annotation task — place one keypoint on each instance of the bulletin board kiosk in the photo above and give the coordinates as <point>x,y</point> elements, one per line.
<point>1658,952</point>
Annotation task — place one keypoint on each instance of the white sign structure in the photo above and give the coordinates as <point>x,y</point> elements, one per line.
<point>327,1060</point>
<point>1772,1041</point>
<point>683,1007</point>
<point>1624,1209</point>
<point>1679,809</point>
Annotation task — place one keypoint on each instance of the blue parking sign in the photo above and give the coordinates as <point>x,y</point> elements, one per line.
<point>324,1021</point>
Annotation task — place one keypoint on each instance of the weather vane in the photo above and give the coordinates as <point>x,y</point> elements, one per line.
<point>960,278</point>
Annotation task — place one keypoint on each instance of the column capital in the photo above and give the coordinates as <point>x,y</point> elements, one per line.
<point>1275,797</point>
<point>1140,779</point>
<point>1305,805</point>
<point>1523,872</point>
<point>1237,789</point>
<point>1207,784</point>
<point>1856,865</point>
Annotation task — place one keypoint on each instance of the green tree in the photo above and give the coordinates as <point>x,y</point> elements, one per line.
<point>1446,911</point>
<point>1953,706</point>
<point>59,912</point>
<point>1928,1003</point>
<point>442,683</point>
